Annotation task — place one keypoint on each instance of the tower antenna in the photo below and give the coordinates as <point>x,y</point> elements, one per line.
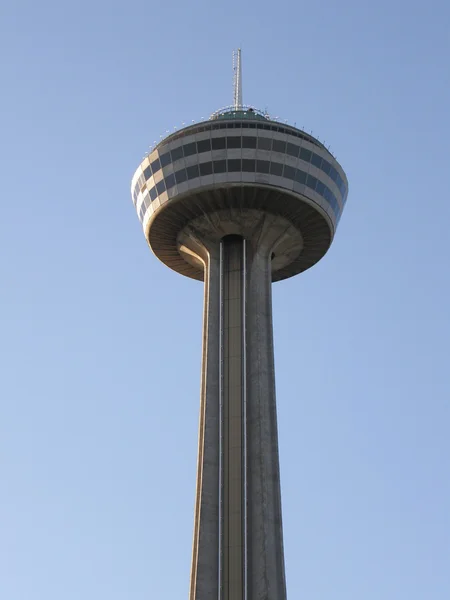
<point>237,79</point>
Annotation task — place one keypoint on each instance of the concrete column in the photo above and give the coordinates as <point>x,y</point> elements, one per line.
<point>238,541</point>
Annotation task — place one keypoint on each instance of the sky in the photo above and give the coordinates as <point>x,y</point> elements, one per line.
<point>100,343</point>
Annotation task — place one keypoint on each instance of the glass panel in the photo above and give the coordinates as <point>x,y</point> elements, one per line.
<point>264,143</point>
<point>155,166</point>
<point>311,182</point>
<point>326,166</point>
<point>278,146</point>
<point>204,146</point>
<point>316,160</point>
<point>180,176</point>
<point>165,159</point>
<point>234,164</point>
<point>220,166</point>
<point>289,172</point>
<point>177,153</point>
<point>190,149</point>
<point>153,193</point>
<point>206,168</point>
<point>305,154</point>
<point>218,143</point>
<point>292,149</point>
<point>276,169</point>
<point>262,166</point>
<point>147,173</point>
<point>320,188</point>
<point>248,165</point>
<point>170,181</point>
<point>248,142</point>
<point>300,176</point>
<point>234,141</point>
<point>160,186</point>
<point>192,172</point>
<point>333,174</point>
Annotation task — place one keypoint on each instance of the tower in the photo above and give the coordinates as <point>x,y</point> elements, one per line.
<point>238,201</point>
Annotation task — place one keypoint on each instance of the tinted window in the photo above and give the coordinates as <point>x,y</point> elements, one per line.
<point>248,142</point>
<point>311,182</point>
<point>165,159</point>
<point>248,165</point>
<point>160,186</point>
<point>305,154</point>
<point>276,169</point>
<point>333,173</point>
<point>262,166</point>
<point>153,193</point>
<point>278,146</point>
<point>264,143</point>
<point>218,143</point>
<point>204,145</point>
<point>190,149</point>
<point>170,181</point>
<point>147,173</point>
<point>177,153</point>
<point>234,165</point>
<point>300,176</point>
<point>316,160</point>
<point>326,166</point>
<point>206,168</point>
<point>289,172</point>
<point>220,166</point>
<point>320,188</point>
<point>292,149</point>
<point>155,166</point>
<point>234,141</point>
<point>180,176</point>
<point>192,172</point>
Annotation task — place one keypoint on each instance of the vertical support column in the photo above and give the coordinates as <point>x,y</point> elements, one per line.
<point>206,543</point>
<point>233,477</point>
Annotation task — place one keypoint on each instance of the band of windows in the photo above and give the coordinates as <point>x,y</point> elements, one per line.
<point>240,165</point>
<point>240,141</point>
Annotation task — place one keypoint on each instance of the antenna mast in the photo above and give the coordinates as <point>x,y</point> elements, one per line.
<point>237,79</point>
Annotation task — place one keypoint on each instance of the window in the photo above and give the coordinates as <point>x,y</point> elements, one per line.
<point>206,168</point>
<point>278,146</point>
<point>264,143</point>
<point>192,172</point>
<point>276,169</point>
<point>160,186</point>
<point>153,193</point>
<point>248,165</point>
<point>300,176</point>
<point>220,166</point>
<point>326,167</point>
<point>180,176</point>
<point>234,141</point>
<point>305,154</point>
<point>234,164</point>
<point>165,159</point>
<point>289,172</point>
<point>190,149</point>
<point>320,188</point>
<point>147,173</point>
<point>204,146</point>
<point>155,166</point>
<point>177,153</point>
<point>146,201</point>
<point>262,166</point>
<point>248,142</point>
<point>170,181</point>
<point>218,143</point>
<point>316,160</point>
<point>292,149</point>
<point>333,174</point>
<point>311,182</point>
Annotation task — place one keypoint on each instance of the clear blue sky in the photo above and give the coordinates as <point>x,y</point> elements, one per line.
<point>100,344</point>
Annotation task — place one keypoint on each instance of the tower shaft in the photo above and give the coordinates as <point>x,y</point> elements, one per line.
<point>238,544</point>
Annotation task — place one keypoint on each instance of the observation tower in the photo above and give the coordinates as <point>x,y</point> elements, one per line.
<point>238,201</point>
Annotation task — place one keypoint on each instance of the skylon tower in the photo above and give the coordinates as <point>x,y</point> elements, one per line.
<point>238,201</point>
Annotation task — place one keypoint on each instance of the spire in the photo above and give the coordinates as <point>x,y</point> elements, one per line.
<point>237,79</point>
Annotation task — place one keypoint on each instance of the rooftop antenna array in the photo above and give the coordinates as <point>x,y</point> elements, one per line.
<point>237,79</point>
